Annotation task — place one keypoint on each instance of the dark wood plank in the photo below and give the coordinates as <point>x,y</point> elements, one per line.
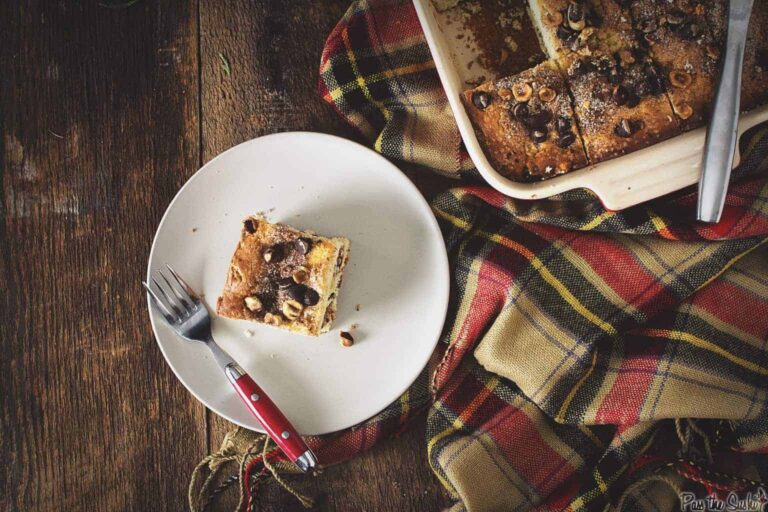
<point>98,114</point>
<point>392,476</point>
<point>274,48</point>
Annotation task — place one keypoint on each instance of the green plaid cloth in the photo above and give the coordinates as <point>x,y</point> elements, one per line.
<point>591,360</point>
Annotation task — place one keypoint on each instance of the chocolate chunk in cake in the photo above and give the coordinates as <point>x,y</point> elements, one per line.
<point>284,277</point>
<point>526,124</point>
<point>677,36</point>
<point>619,91</point>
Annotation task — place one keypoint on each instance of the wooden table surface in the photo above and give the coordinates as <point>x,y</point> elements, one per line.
<point>105,113</point>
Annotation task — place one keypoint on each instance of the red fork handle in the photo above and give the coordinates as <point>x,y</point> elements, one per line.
<point>271,418</point>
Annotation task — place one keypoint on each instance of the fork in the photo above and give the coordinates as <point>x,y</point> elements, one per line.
<point>188,316</point>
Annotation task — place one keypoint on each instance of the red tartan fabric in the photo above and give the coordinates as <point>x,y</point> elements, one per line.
<point>591,360</point>
<point>586,349</point>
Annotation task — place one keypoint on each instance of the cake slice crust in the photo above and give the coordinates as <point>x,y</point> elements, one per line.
<point>527,124</point>
<point>284,277</point>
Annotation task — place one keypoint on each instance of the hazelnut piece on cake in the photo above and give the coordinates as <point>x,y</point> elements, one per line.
<point>679,38</point>
<point>527,125</point>
<point>619,92</point>
<point>284,277</point>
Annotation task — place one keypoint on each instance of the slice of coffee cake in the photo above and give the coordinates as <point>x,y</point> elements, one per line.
<point>284,277</point>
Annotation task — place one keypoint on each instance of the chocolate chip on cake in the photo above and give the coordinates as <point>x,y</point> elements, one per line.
<point>273,254</point>
<point>481,100</point>
<point>655,78</point>
<point>620,95</point>
<point>539,136</point>
<point>284,282</point>
<point>296,292</point>
<point>575,16</point>
<point>249,226</point>
<point>625,128</point>
<point>521,111</point>
<point>567,34</point>
<point>311,297</point>
<point>538,120</point>
<point>563,125</point>
<point>303,245</point>
<point>614,77</point>
<point>566,139</point>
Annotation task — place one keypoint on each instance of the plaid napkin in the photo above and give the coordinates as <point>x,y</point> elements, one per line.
<point>591,360</point>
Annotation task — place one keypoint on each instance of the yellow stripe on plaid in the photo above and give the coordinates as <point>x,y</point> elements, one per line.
<point>343,89</point>
<point>599,219</point>
<point>706,345</point>
<point>561,289</point>
<point>360,79</point>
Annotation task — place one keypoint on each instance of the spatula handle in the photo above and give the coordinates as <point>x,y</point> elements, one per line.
<point>723,125</point>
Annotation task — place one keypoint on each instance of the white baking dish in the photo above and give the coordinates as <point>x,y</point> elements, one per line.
<point>619,183</point>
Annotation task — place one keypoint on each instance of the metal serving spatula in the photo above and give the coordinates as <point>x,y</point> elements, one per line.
<point>723,124</point>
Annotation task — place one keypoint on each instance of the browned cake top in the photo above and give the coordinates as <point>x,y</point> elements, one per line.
<point>588,28</point>
<point>275,265</point>
<point>603,84</point>
<point>680,39</point>
<point>527,123</point>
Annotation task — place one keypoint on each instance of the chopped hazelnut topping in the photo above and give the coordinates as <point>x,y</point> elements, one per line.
<point>346,339</point>
<point>522,91</point>
<point>547,94</point>
<point>300,275</point>
<point>273,319</point>
<point>683,110</point>
<point>292,309</point>
<point>253,303</point>
<point>680,78</point>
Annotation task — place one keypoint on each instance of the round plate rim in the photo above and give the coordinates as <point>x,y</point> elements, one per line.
<point>398,176</point>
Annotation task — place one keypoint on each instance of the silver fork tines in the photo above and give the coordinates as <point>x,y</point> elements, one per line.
<point>179,304</point>
<point>159,304</point>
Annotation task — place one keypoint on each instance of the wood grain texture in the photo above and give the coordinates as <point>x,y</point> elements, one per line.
<point>99,124</point>
<point>104,113</point>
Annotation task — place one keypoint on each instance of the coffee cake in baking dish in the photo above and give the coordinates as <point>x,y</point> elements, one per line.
<point>754,91</point>
<point>618,89</point>
<point>632,73</point>
<point>526,124</point>
<point>284,277</point>
<point>677,36</point>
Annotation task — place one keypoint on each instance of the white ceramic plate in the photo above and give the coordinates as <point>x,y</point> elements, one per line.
<point>397,273</point>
